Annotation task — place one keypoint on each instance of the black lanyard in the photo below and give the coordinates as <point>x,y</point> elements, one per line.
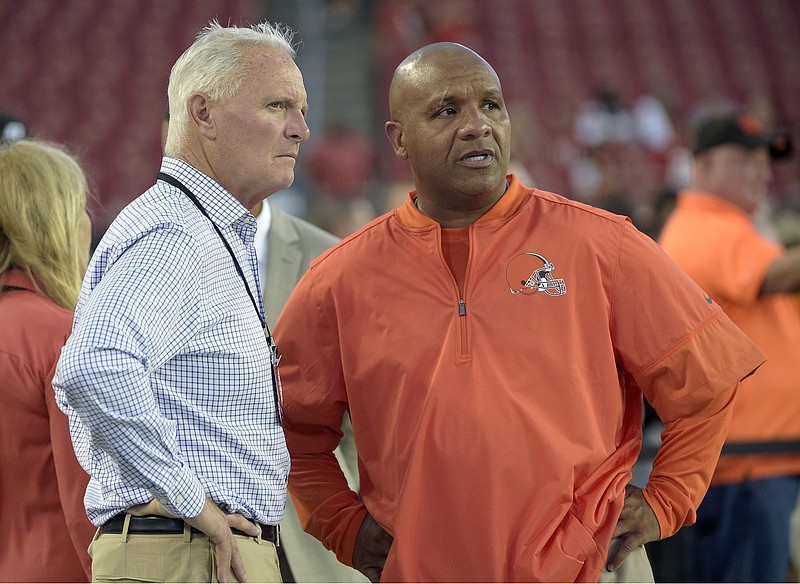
<point>176,183</point>
<point>273,349</point>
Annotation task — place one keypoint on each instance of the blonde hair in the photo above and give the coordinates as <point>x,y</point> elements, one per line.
<point>215,65</point>
<point>42,199</point>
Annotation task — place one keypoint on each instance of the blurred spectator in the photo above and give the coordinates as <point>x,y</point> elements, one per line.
<point>678,168</point>
<point>607,173</point>
<point>12,128</point>
<point>652,124</point>
<point>742,529</point>
<point>44,244</point>
<point>603,119</point>
<point>585,178</point>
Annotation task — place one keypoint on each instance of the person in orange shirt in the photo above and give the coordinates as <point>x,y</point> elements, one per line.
<point>492,343</point>
<point>45,235</point>
<point>742,531</point>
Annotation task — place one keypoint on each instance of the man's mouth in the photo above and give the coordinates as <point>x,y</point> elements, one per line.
<point>480,159</point>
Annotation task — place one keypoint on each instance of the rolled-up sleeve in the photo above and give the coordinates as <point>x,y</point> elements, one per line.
<point>140,311</point>
<point>688,358</point>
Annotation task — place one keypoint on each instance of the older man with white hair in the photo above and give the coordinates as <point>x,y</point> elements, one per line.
<point>169,375</point>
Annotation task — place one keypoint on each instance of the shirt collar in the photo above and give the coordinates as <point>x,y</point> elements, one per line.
<point>703,200</point>
<point>505,206</point>
<point>261,242</point>
<point>18,279</point>
<point>264,218</point>
<point>222,207</point>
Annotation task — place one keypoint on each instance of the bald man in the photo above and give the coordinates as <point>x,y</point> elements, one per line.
<point>492,343</point>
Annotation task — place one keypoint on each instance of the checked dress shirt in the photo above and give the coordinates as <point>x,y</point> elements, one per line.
<point>166,377</point>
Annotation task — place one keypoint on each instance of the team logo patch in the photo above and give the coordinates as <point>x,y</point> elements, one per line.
<point>530,273</point>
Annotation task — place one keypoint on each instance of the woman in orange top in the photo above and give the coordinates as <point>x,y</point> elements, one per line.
<point>44,243</point>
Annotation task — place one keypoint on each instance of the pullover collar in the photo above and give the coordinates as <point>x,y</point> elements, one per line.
<point>506,205</point>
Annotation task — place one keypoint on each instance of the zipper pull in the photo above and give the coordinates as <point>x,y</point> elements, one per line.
<point>462,308</point>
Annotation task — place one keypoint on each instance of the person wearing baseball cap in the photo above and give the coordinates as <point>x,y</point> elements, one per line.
<point>742,531</point>
<point>743,129</point>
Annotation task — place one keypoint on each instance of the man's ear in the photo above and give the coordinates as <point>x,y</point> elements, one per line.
<point>199,107</point>
<point>394,131</point>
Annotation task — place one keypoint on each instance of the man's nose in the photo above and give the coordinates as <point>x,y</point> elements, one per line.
<point>297,129</point>
<point>475,125</point>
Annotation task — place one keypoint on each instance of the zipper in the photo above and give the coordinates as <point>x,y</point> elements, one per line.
<point>462,314</point>
<point>461,306</point>
<point>463,352</point>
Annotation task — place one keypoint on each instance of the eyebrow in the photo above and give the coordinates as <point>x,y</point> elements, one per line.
<point>494,94</point>
<point>286,99</point>
<point>450,98</point>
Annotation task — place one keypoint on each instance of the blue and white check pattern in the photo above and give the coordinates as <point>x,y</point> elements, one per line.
<point>166,377</point>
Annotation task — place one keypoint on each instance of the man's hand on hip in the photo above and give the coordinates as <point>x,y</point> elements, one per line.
<point>637,525</point>
<point>217,526</point>
<point>372,547</point>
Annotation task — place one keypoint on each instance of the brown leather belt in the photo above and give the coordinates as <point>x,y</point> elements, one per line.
<point>155,524</point>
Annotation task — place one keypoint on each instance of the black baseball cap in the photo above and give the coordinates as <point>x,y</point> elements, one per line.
<point>743,129</point>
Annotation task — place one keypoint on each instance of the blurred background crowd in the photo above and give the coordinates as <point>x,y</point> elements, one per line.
<point>604,93</point>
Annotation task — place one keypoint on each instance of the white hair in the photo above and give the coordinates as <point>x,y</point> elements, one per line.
<point>214,65</point>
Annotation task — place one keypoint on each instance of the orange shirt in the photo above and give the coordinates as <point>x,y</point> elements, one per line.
<point>718,246</point>
<point>45,529</point>
<point>455,249</point>
<point>496,426</point>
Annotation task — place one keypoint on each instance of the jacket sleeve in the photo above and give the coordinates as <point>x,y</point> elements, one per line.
<point>688,358</point>
<point>696,416</point>
<point>314,402</point>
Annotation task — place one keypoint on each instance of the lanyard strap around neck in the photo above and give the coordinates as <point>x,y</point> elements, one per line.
<point>178,184</point>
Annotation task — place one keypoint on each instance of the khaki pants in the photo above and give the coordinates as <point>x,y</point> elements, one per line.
<point>635,568</point>
<point>188,557</point>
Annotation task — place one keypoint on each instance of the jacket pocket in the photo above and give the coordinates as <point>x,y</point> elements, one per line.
<point>560,558</point>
